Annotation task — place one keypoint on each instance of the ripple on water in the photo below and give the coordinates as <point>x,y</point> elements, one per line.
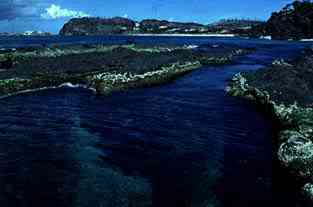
<point>135,147</point>
<point>183,144</point>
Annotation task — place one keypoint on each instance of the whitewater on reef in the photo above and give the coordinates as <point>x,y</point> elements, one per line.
<point>63,85</point>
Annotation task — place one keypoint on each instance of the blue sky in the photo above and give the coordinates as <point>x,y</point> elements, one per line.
<point>50,15</point>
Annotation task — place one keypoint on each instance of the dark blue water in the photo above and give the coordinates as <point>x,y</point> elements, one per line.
<point>24,41</point>
<point>182,144</point>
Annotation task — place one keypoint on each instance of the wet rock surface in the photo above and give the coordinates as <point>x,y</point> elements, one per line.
<point>297,154</point>
<point>104,66</point>
<point>287,82</point>
<point>283,91</point>
<point>308,191</point>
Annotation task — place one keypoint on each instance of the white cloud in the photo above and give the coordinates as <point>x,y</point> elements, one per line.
<point>55,12</point>
<point>125,15</point>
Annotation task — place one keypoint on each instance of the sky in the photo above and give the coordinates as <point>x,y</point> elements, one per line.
<point>50,15</point>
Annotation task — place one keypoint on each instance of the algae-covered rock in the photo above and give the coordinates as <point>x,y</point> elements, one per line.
<point>287,81</point>
<point>104,67</point>
<point>301,119</point>
<point>105,83</point>
<point>285,114</point>
<point>238,86</point>
<point>278,91</point>
<point>297,155</point>
<point>288,134</point>
<point>308,191</point>
<point>7,61</point>
<point>281,62</point>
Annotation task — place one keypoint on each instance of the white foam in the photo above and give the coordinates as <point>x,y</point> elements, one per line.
<point>70,85</point>
<point>266,37</point>
<point>306,40</point>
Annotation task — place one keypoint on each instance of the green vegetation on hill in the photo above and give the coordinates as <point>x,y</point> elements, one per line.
<point>294,21</point>
<point>97,26</point>
<point>233,26</point>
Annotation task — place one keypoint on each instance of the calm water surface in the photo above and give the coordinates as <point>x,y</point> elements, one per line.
<point>182,144</point>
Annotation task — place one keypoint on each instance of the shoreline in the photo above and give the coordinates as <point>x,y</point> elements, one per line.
<point>182,35</point>
<point>63,85</point>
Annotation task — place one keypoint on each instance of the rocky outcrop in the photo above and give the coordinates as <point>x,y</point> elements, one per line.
<point>103,67</point>
<point>101,82</point>
<point>295,123</point>
<point>294,21</point>
<point>105,83</point>
<point>97,26</point>
<point>287,82</point>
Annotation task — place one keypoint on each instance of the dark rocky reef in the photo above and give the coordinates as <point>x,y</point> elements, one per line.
<point>104,68</point>
<point>97,26</point>
<point>287,82</point>
<point>284,92</point>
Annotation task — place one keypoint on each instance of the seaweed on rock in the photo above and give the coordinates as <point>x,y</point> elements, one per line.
<point>295,133</point>
<point>104,67</point>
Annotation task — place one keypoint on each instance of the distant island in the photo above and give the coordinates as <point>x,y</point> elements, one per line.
<point>119,25</point>
<point>294,22</point>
